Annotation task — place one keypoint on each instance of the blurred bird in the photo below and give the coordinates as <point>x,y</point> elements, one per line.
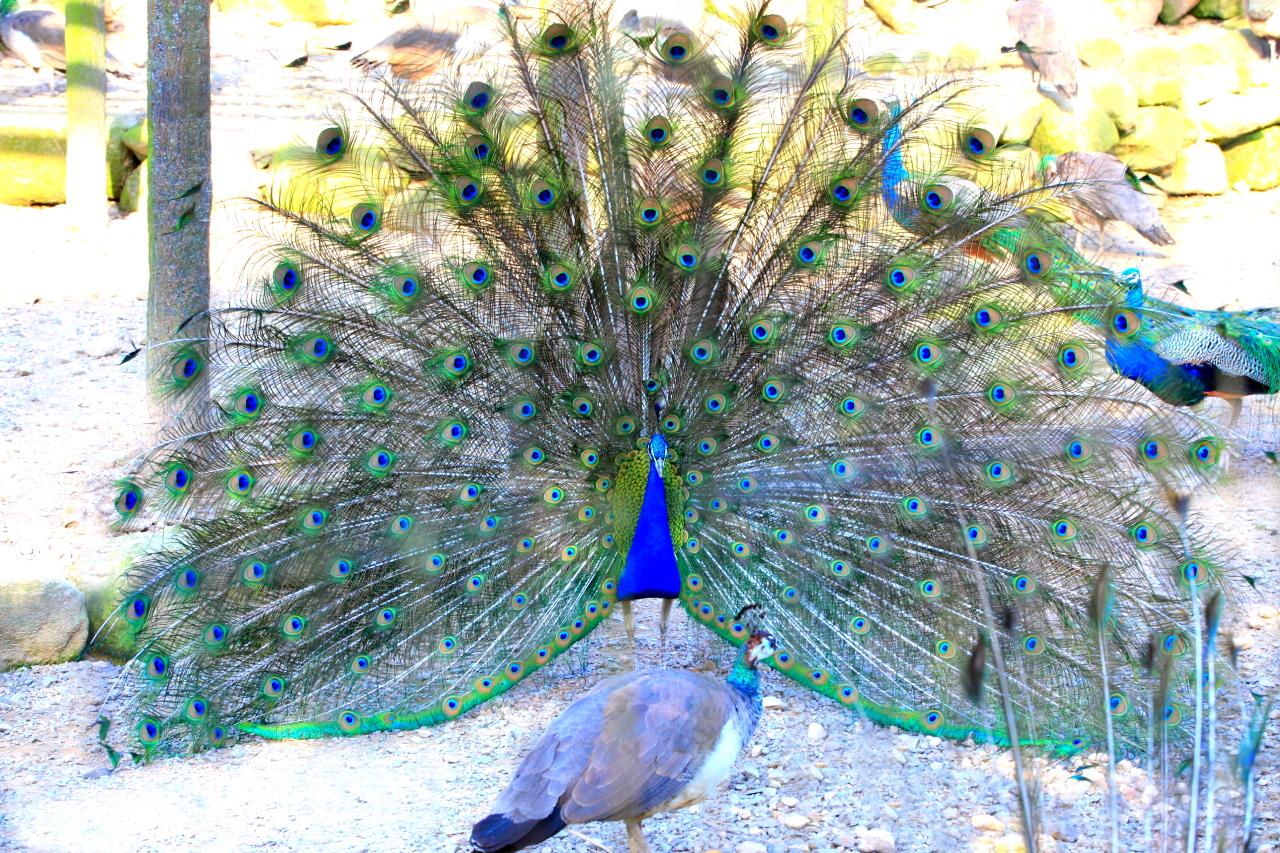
<point>1109,192</point>
<point>37,37</point>
<point>637,745</point>
<point>1045,48</point>
<point>1264,20</point>
<point>461,34</point>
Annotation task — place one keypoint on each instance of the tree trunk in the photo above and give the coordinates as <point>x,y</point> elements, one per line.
<point>179,192</point>
<point>86,47</point>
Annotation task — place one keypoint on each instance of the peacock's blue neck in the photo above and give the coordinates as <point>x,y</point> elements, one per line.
<point>651,570</point>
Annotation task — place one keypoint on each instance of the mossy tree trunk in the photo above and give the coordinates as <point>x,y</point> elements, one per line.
<point>179,192</point>
<point>86,47</point>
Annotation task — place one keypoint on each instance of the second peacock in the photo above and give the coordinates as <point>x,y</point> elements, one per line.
<point>622,317</point>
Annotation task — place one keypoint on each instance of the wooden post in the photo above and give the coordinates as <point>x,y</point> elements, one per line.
<point>86,49</point>
<point>179,192</point>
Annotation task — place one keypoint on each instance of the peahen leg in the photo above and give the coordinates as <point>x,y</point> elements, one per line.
<point>629,624</point>
<point>635,837</point>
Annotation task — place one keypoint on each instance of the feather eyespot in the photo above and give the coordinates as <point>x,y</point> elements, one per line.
<point>365,218</point>
<point>477,97</point>
<point>676,49</point>
<point>978,143</point>
<point>1125,324</point>
<point>721,93</point>
<point>844,192</point>
<point>330,142</point>
<point>558,39</point>
<point>1037,263</point>
<point>771,29</point>
<point>937,198</point>
<point>712,174</point>
<point>863,113</point>
<point>657,131</point>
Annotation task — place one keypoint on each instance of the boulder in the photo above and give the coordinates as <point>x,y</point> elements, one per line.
<point>1156,72</point>
<point>897,15</point>
<point>1101,52</point>
<point>1201,169</point>
<point>120,159</point>
<point>33,159</point>
<point>41,621</point>
<point>133,195</point>
<point>1088,128</point>
<point>1159,134</point>
<point>136,136</point>
<point>1219,9</point>
<point>1231,115</point>
<point>1205,82</point>
<point>1119,98</point>
<point>318,12</point>
<point>1254,160</point>
<point>1135,14</point>
<point>1172,10</point>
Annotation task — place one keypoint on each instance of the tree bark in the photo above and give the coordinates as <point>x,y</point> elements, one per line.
<point>179,192</point>
<point>86,48</point>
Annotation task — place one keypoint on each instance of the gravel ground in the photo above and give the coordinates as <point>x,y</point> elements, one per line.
<point>816,778</point>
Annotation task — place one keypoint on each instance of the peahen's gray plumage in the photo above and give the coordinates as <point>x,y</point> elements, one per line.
<point>637,745</point>
<point>611,317</point>
<point>37,37</point>
<point>1108,193</point>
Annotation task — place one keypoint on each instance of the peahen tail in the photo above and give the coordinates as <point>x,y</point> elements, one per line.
<point>825,309</point>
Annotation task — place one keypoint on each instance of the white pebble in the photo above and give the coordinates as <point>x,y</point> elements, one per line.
<point>794,820</point>
<point>876,841</point>
<point>816,732</point>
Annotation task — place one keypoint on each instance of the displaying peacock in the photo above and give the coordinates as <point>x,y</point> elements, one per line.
<point>616,317</point>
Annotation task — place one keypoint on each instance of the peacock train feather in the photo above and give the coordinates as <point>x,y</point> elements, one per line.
<point>806,336</point>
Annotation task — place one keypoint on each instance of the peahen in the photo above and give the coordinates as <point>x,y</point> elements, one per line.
<point>37,37</point>
<point>637,745</point>
<point>573,329</point>
<point>1110,193</point>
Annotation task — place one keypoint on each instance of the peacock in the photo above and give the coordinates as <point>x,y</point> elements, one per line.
<point>611,317</point>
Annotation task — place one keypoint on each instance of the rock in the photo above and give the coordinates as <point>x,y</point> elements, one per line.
<point>1088,128</point>
<point>771,703</point>
<point>318,12</point>
<point>133,195</point>
<point>1135,14</point>
<point>815,732</point>
<point>794,820</point>
<point>1210,80</point>
<point>987,823</point>
<point>1119,98</point>
<point>898,15</point>
<point>101,346</point>
<point>1155,73</point>
<point>1009,844</point>
<point>1159,134</point>
<point>120,159</point>
<point>1229,116</point>
<point>1220,9</point>
<point>1201,169</point>
<point>33,158</point>
<point>750,847</point>
<point>1172,10</point>
<point>41,621</point>
<point>136,136</point>
<point>1101,52</point>
<point>1255,160</point>
<point>876,841</point>
<point>790,802</point>
<point>845,839</point>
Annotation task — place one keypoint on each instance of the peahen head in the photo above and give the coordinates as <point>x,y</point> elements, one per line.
<point>759,647</point>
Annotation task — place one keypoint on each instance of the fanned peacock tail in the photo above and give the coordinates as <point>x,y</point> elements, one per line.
<point>880,372</point>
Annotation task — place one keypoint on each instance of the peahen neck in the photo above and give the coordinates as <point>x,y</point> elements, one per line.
<point>745,681</point>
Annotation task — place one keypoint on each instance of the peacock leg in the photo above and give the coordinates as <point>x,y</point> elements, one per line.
<point>635,838</point>
<point>631,631</point>
<point>662,629</point>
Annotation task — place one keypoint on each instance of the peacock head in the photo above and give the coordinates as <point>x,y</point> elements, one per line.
<point>759,646</point>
